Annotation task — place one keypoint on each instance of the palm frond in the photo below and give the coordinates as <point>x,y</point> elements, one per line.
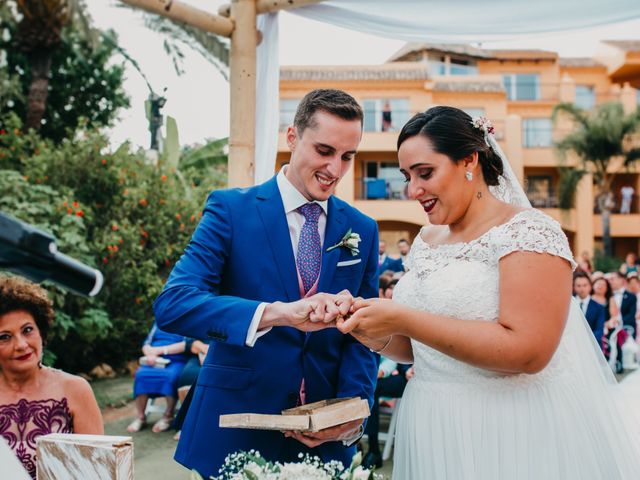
<point>568,185</point>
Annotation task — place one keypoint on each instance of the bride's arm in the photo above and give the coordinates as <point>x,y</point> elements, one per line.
<point>534,300</point>
<point>396,347</point>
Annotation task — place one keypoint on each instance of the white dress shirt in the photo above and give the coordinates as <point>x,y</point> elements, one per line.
<point>617,296</point>
<point>292,199</point>
<point>584,303</point>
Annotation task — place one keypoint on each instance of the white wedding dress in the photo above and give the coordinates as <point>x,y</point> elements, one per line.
<point>459,422</point>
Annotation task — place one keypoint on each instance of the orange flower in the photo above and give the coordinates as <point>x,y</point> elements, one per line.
<point>75,204</point>
<point>120,241</point>
<point>178,216</point>
<point>79,213</point>
<point>104,161</point>
<point>114,227</point>
<point>163,178</point>
<point>105,260</point>
<point>182,227</point>
<point>143,202</point>
<point>69,211</point>
<point>126,192</point>
<point>65,204</point>
<point>192,218</point>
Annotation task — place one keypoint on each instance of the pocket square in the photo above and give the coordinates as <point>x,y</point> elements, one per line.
<point>347,263</point>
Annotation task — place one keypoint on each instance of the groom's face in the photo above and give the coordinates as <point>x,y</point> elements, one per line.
<point>322,154</point>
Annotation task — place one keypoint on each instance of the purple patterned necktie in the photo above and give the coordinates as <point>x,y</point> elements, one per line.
<point>309,249</point>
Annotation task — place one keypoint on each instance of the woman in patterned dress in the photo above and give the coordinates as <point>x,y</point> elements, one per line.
<point>36,400</point>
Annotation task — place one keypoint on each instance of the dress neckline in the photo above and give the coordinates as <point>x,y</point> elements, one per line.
<point>478,238</point>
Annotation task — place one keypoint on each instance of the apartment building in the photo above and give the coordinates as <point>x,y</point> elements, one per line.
<point>516,89</point>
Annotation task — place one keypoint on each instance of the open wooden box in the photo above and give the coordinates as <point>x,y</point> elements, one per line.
<point>310,417</point>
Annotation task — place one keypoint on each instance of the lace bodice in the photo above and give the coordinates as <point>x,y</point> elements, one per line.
<point>461,280</point>
<point>22,423</point>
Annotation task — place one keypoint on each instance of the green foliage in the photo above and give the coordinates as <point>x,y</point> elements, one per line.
<point>605,263</point>
<point>113,210</point>
<point>83,84</point>
<point>567,186</point>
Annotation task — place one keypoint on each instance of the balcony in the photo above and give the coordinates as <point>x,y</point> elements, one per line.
<point>621,225</point>
<point>371,188</point>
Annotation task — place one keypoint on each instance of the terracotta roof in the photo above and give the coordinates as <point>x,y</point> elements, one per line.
<point>579,62</point>
<point>404,71</point>
<point>626,45</point>
<point>460,49</point>
<point>470,86</point>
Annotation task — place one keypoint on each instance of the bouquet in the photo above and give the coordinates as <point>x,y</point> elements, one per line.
<point>251,466</point>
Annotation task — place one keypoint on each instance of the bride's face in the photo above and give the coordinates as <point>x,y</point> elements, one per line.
<point>434,180</point>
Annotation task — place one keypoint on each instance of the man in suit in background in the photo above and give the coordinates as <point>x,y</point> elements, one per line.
<point>249,281</point>
<point>592,310</point>
<point>385,262</point>
<point>627,302</point>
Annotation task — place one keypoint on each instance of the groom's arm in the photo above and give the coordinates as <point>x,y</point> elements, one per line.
<point>190,303</point>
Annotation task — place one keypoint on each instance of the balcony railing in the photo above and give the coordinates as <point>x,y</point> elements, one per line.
<point>533,91</point>
<point>543,199</point>
<point>371,188</point>
<point>617,208</point>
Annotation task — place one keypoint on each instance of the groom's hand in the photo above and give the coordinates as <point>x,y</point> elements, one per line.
<point>308,314</point>
<point>346,431</point>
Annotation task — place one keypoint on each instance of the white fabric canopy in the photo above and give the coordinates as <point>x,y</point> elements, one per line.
<point>444,21</point>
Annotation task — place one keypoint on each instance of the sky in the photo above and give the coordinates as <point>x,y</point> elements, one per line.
<point>199,99</point>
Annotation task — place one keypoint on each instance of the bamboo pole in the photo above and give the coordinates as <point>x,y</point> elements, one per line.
<point>266,6</point>
<point>242,82</point>
<point>181,12</point>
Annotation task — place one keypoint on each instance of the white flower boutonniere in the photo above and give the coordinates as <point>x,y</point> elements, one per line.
<point>350,240</point>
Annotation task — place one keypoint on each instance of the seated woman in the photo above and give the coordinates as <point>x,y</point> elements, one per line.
<point>157,378</point>
<point>36,400</point>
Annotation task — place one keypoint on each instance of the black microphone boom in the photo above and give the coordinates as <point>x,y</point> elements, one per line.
<point>33,253</point>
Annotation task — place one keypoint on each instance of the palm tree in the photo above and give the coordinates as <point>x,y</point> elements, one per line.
<point>600,137</point>
<point>38,35</point>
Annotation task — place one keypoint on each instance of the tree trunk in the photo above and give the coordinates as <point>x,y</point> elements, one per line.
<point>40,63</point>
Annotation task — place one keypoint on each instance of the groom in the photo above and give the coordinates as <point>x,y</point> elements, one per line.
<point>249,280</point>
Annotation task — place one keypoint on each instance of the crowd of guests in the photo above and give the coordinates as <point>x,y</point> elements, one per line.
<point>609,302</point>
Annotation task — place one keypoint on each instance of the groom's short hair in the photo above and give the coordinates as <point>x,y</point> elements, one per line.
<point>333,101</point>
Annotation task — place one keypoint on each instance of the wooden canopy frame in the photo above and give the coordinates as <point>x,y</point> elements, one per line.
<point>236,21</point>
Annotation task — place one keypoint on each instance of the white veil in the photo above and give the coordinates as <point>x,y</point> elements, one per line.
<point>617,414</point>
<point>510,191</point>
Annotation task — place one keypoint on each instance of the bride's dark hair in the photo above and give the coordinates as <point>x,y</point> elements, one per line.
<point>452,133</point>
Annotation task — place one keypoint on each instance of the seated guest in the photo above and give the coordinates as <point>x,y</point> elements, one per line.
<point>157,378</point>
<point>388,291</point>
<point>392,378</point>
<point>385,262</point>
<point>593,311</point>
<point>196,353</point>
<point>36,400</point>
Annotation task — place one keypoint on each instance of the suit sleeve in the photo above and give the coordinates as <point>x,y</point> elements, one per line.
<point>359,366</point>
<point>190,303</point>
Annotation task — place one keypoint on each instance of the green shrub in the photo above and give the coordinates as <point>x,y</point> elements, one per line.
<point>112,210</point>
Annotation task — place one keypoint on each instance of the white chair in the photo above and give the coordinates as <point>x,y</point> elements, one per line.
<point>389,436</point>
<point>153,407</point>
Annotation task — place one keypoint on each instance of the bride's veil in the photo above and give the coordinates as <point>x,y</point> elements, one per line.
<point>592,363</point>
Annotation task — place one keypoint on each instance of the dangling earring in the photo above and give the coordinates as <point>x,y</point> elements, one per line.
<point>469,176</point>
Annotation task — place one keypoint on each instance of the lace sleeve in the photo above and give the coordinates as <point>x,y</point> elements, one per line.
<point>533,231</point>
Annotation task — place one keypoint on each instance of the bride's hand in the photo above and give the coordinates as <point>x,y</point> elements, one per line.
<point>371,319</point>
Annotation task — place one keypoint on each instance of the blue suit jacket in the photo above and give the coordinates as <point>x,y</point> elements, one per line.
<point>628,309</point>
<point>393,264</point>
<point>239,256</point>
<point>595,318</point>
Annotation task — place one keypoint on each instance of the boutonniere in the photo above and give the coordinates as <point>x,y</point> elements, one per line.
<point>350,241</point>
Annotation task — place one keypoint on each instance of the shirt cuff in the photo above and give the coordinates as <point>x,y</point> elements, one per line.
<point>350,441</point>
<point>253,334</point>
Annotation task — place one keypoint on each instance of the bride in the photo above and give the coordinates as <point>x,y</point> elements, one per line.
<point>509,382</point>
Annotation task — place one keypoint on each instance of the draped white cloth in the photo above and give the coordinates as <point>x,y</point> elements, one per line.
<point>444,21</point>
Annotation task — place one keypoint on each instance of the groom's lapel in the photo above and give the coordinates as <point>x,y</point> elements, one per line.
<point>271,210</point>
<point>335,230</point>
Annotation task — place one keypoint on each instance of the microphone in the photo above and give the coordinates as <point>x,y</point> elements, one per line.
<point>33,253</point>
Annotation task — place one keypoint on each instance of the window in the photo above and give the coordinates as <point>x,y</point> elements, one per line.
<point>385,115</point>
<point>536,132</point>
<point>384,181</point>
<point>521,86</point>
<point>454,66</point>
<point>288,109</point>
<point>540,191</point>
<point>585,97</point>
